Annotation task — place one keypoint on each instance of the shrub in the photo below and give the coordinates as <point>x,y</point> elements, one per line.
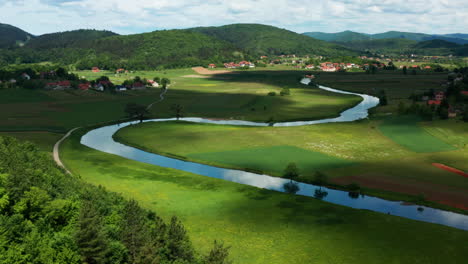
<point>272,93</point>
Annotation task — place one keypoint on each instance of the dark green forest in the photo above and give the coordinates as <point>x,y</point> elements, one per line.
<point>48,216</point>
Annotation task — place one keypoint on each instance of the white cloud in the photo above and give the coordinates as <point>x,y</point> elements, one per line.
<point>125,16</point>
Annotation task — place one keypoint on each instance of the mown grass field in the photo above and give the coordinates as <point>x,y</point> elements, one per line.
<point>241,96</point>
<point>406,132</point>
<point>264,226</point>
<point>346,152</point>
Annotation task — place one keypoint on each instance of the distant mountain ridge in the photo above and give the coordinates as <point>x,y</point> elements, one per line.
<point>347,36</point>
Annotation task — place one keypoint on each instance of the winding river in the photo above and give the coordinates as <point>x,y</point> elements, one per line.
<point>101,139</point>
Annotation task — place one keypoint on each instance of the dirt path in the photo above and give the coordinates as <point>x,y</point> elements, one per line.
<point>57,147</point>
<point>202,70</point>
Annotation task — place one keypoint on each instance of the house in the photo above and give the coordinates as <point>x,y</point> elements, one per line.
<point>12,81</point>
<point>434,102</point>
<point>84,86</point>
<point>99,87</point>
<point>212,66</point>
<point>464,93</point>
<point>25,76</point>
<point>120,70</point>
<point>246,64</point>
<point>310,67</point>
<point>329,69</point>
<point>138,86</point>
<point>439,96</point>
<point>95,69</point>
<point>48,75</point>
<point>60,85</point>
<point>263,57</point>
<point>415,67</point>
<point>427,67</point>
<point>120,88</point>
<point>425,98</point>
<point>452,113</point>
<point>153,83</point>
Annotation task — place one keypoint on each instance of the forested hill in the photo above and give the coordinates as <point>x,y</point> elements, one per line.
<point>397,46</point>
<point>67,39</point>
<point>48,216</point>
<point>159,49</point>
<point>344,36</point>
<point>268,40</point>
<point>11,36</point>
<point>348,36</point>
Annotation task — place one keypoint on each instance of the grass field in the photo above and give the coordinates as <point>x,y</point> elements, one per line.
<point>346,152</point>
<point>264,226</point>
<point>406,132</point>
<point>240,96</point>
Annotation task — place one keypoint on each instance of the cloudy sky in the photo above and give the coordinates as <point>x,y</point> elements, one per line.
<point>136,16</point>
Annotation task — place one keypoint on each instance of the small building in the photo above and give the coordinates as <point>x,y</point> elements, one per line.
<point>60,85</point>
<point>263,57</point>
<point>120,88</point>
<point>84,86</point>
<point>434,102</point>
<point>212,66</point>
<point>153,83</point>
<point>95,69</point>
<point>25,76</point>
<point>99,87</point>
<point>12,80</point>
<point>138,86</point>
<point>427,67</point>
<point>464,93</point>
<point>120,70</point>
<point>310,66</point>
<point>439,96</point>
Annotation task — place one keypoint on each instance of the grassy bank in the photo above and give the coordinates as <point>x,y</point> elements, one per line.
<point>264,226</point>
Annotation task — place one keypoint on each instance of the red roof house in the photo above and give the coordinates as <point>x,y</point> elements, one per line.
<point>95,69</point>
<point>434,102</point>
<point>84,86</point>
<point>212,66</point>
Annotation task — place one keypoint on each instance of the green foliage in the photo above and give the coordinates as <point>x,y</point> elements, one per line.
<point>259,39</point>
<point>90,238</point>
<point>218,255</point>
<point>56,218</point>
<point>291,172</point>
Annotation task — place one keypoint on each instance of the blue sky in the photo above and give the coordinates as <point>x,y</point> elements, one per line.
<point>136,16</point>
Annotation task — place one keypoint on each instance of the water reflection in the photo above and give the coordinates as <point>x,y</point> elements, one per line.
<point>291,187</point>
<point>320,194</point>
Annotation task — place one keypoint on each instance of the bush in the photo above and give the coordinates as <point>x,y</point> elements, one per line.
<point>285,91</point>
<point>272,93</point>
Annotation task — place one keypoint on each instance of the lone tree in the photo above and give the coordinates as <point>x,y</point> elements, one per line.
<point>136,110</point>
<point>291,172</point>
<point>165,82</point>
<point>178,110</point>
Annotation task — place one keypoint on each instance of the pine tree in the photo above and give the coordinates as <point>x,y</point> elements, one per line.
<point>132,226</point>
<point>178,242</point>
<point>218,254</point>
<point>90,239</point>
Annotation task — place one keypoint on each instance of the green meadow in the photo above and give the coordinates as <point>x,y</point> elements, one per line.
<point>406,132</point>
<point>264,226</point>
<point>346,152</point>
